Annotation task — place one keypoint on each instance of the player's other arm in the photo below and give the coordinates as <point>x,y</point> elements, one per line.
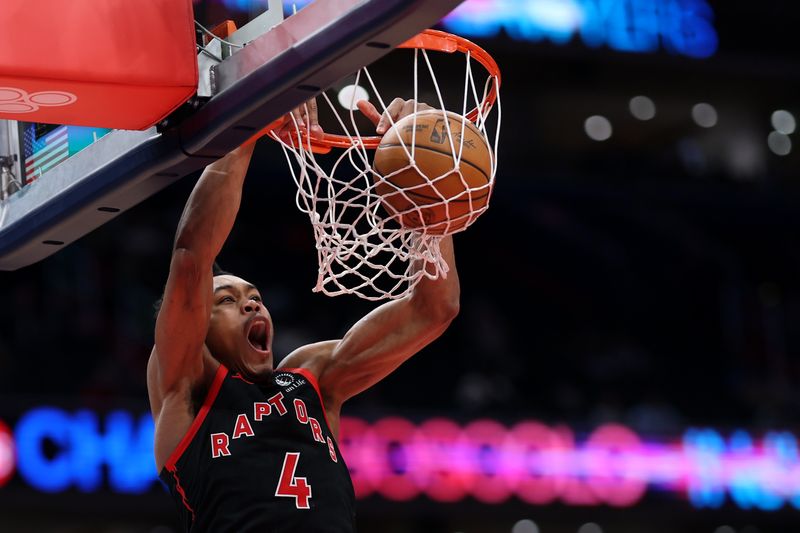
<point>381,341</point>
<point>182,323</point>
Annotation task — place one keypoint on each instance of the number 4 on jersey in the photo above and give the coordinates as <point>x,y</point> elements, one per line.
<point>293,487</point>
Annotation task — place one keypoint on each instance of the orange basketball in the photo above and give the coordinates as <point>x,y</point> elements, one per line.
<point>435,197</point>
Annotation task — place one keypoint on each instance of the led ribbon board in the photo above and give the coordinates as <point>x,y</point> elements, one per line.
<point>399,460</point>
<point>681,27</point>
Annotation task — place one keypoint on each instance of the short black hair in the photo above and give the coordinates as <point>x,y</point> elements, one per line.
<point>216,270</point>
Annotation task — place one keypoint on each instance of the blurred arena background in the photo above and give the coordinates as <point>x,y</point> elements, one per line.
<point>626,357</point>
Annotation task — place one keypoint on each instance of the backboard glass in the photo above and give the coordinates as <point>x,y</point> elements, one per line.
<point>286,62</point>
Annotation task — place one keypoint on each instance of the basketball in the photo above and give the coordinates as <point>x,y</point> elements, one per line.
<point>435,197</point>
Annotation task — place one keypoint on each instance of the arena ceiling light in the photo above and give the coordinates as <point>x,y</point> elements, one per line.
<point>704,115</point>
<point>642,107</point>
<point>598,128</point>
<point>783,122</point>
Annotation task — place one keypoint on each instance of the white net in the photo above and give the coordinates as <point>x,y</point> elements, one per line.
<point>378,232</point>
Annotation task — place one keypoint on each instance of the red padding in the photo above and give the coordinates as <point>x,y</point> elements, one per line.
<point>117,63</point>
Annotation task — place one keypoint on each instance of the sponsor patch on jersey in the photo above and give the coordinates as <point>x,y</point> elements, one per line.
<point>284,380</point>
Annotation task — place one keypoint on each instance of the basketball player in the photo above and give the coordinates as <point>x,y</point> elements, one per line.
<point>241,445</point>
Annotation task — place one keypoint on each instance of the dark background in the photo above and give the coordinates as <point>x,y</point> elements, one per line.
<point>650,279</point>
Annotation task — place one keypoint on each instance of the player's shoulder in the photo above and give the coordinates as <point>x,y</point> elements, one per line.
<point>313,357</point>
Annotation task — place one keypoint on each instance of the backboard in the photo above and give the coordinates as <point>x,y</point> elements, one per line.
<point>284,63</point>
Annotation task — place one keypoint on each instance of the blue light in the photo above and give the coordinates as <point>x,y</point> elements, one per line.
<point>46,474</point>
<point>782,447</point>
<point>688,28</point>
<point>85,451</point>
<point>706,448</point>
<point>129,452</point>
<point>631,26</point>
<point>748,486</point>
<point>81,450</point>
<point>682,27</point>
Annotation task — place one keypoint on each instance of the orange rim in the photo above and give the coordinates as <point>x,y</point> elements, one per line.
<point>435,40</point>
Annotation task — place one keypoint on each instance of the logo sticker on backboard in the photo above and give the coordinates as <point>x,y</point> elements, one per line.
<point>15,100</point>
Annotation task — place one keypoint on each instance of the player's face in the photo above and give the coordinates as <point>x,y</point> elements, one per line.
<point>240,331</point>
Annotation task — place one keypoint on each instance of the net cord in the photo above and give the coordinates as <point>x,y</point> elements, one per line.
<point>376,248</point>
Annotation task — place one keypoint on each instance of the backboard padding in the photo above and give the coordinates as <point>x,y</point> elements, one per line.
<point>274,73</point>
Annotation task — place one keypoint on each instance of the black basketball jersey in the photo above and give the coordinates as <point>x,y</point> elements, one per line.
<point>261,457</point>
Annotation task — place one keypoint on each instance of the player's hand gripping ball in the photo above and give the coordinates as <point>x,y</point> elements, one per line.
<point>437,192</point>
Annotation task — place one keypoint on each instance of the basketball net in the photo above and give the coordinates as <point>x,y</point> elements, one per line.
<point>361,247</point>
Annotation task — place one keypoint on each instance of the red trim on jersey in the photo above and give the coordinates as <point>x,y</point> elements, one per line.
<point>314,383</point>
<point>239,376</point>
<point>179,488</point>
<point>219,377</point>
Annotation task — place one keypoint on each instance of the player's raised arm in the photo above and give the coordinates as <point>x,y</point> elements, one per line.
<point>390,334</point>
<point>182,322</point>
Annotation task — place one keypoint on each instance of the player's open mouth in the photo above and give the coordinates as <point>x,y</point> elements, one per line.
<point>257,334</point>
